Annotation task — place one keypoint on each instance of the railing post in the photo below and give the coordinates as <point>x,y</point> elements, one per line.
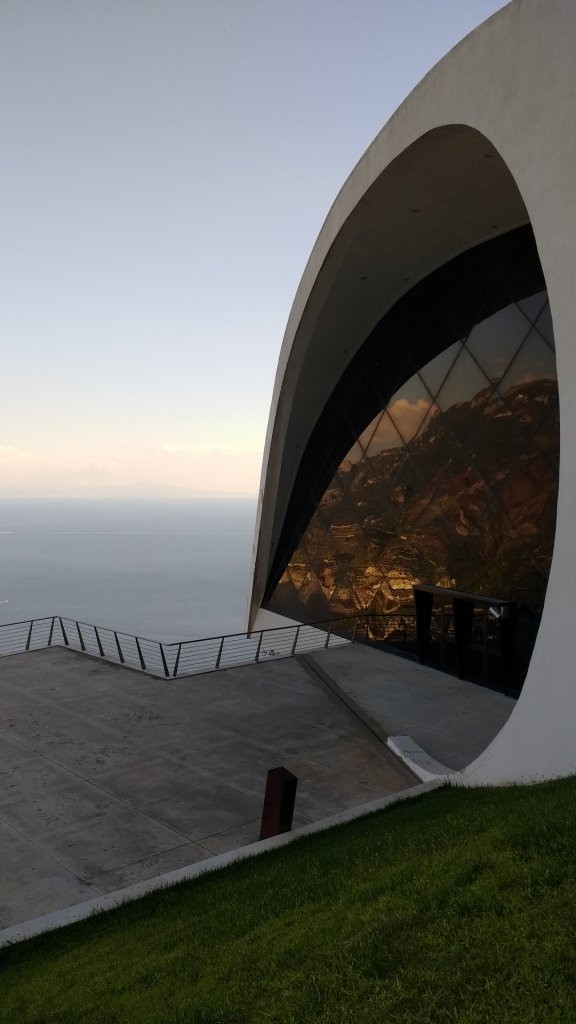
<point>257,655</point>
<point>177,662</point>
<point>142,662</point>
<point>164,662</point>
<point>355,629</point>
<point>100,648</point>
<point>50,633</point>
<point>29,635</point>
<point>485,642</point>
<point>118,648</point>
<point>295,641</point>
<point>217,665</point>
<point>63,632</point>
<point>81,638</point>
<point>329,633</point>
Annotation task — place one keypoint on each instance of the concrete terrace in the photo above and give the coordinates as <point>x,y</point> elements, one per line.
<point>109,777</point>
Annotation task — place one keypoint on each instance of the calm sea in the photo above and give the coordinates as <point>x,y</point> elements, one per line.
<point>168,570</point>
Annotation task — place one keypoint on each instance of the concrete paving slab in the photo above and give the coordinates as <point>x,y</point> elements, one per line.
<point>31,773</point>
<point>109,777</point>
<point>110,842</point>
<point>161,780</point>
<point>353,761</point>
<point>207,809</point>
<point>29,872</point>
<point>233,758</point>
<point>242,835</point>
<point>148,867</point>
<point>451,719</point>
<point>8,835</point>
<point>176,743</point>
<point>37,814</point>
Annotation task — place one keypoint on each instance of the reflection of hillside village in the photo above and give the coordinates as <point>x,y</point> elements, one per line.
<point>469,502</point>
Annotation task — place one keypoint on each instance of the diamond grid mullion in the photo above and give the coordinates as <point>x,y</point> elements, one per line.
<point>378,557</point>
<point>411,469</point>
<point>545,315</point>
<point>507,403</point>
<point>316,541</point>
<point>297,568</point>
<point>346,584</point>
<point>494,281</point>
<point>502,515</point>
<point>331,554</point>
<point>532,341</point>
<point>511,335</point>
<point>459,388</point>
<point>427,371</point>
<point>533,306</point>
<point>489,382</point>
<point>434,494</point>
<point>493,488</point>
<point>406,440</point>
<point>371,429</point>
<point>347,477</point>
<point>384,418</point>
<point>366,546</point>
<point>496,385</point>
<point>536,429</point>
<point>548,413</point>
<point>433,410</point>
<point>471,456</point>
<point>309,547</point>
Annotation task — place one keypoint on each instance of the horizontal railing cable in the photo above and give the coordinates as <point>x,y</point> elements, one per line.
<point>210,654</point>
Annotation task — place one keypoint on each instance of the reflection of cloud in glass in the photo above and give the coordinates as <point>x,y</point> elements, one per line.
<point>391,429</point>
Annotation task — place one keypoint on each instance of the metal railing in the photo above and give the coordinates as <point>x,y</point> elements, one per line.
<point>190,657</point>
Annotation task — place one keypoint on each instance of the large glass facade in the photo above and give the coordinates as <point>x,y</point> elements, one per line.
<point>454,480</point>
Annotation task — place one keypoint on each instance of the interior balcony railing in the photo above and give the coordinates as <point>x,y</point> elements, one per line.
<point>191,657</point>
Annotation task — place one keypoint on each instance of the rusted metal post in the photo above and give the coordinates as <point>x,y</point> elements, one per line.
<point>279,798</point>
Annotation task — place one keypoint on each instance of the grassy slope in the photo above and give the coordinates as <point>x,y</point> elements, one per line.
<point>456,906</point>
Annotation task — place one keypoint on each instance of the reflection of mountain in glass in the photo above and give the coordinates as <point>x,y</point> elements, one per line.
<point>454,483</point>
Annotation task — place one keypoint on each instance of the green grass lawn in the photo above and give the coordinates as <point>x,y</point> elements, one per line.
<point>455,906</point>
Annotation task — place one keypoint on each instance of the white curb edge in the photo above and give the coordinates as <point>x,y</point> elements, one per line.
<point>415,757</point>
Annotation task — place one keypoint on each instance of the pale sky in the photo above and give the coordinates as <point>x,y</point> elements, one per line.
<point>166,166</point>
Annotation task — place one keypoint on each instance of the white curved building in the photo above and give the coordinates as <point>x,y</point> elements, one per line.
<point>414,434</point>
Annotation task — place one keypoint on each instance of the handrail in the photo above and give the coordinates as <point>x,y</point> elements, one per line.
<point>209,654</point>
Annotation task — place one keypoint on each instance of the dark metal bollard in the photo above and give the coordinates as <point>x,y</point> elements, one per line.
<point>279,800</point>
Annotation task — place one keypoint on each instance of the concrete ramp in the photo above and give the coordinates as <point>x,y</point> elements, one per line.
<point>451,719</point>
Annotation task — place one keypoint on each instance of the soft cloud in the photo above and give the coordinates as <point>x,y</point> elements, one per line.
<point>401,422</point>
<point>144,469</point>
<point>8,454</point>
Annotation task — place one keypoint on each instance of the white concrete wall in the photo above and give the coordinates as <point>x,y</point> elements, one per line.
<point>484,143</point>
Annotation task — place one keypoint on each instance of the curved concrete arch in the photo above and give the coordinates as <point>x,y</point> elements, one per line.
<point>484,144</point>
